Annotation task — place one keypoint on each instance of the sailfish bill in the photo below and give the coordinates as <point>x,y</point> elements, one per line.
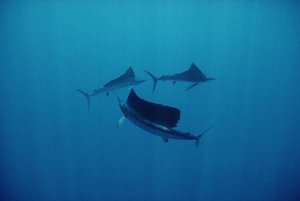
<point>193,75</point>
<point>127,79</point>
<point>155,118</point>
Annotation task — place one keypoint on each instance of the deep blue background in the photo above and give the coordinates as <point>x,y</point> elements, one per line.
<point>52,148</point>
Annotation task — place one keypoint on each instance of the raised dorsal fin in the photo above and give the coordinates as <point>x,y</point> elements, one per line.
<point>129,72</point>
<point>128,75</point>
<point>195,70</point>
<point>156,113</point>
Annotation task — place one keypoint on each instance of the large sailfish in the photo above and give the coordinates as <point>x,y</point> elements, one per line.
<point>155,118</point>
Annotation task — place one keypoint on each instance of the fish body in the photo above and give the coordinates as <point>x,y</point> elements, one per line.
<point>126,80</point>
<point>155,118</point>
<point>193,75</point>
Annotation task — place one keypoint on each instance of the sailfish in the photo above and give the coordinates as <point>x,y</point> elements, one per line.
<point>127,79</point>
<point>155,118</point>
<point>193,74</point>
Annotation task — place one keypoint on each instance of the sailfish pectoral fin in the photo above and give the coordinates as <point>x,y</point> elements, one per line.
<point>191,86</point>
<point>165,139</point>
<point>121,120</point>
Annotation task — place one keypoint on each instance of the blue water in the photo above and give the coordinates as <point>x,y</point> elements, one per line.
<point>52,148</point>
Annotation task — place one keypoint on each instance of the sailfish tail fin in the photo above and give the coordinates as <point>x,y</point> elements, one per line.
<point>199,136</point>
<point>155,79</point>
<point>86,95</point>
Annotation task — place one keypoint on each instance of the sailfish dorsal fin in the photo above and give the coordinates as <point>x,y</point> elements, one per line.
<point>194,70</point>
<point>156,113</point>
<point>129,72</point>
<point>128,75</point>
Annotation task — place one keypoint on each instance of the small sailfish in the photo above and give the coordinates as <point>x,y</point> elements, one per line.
<point>193,74</point>
<point>127,79</point>
<point>155,118</point>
